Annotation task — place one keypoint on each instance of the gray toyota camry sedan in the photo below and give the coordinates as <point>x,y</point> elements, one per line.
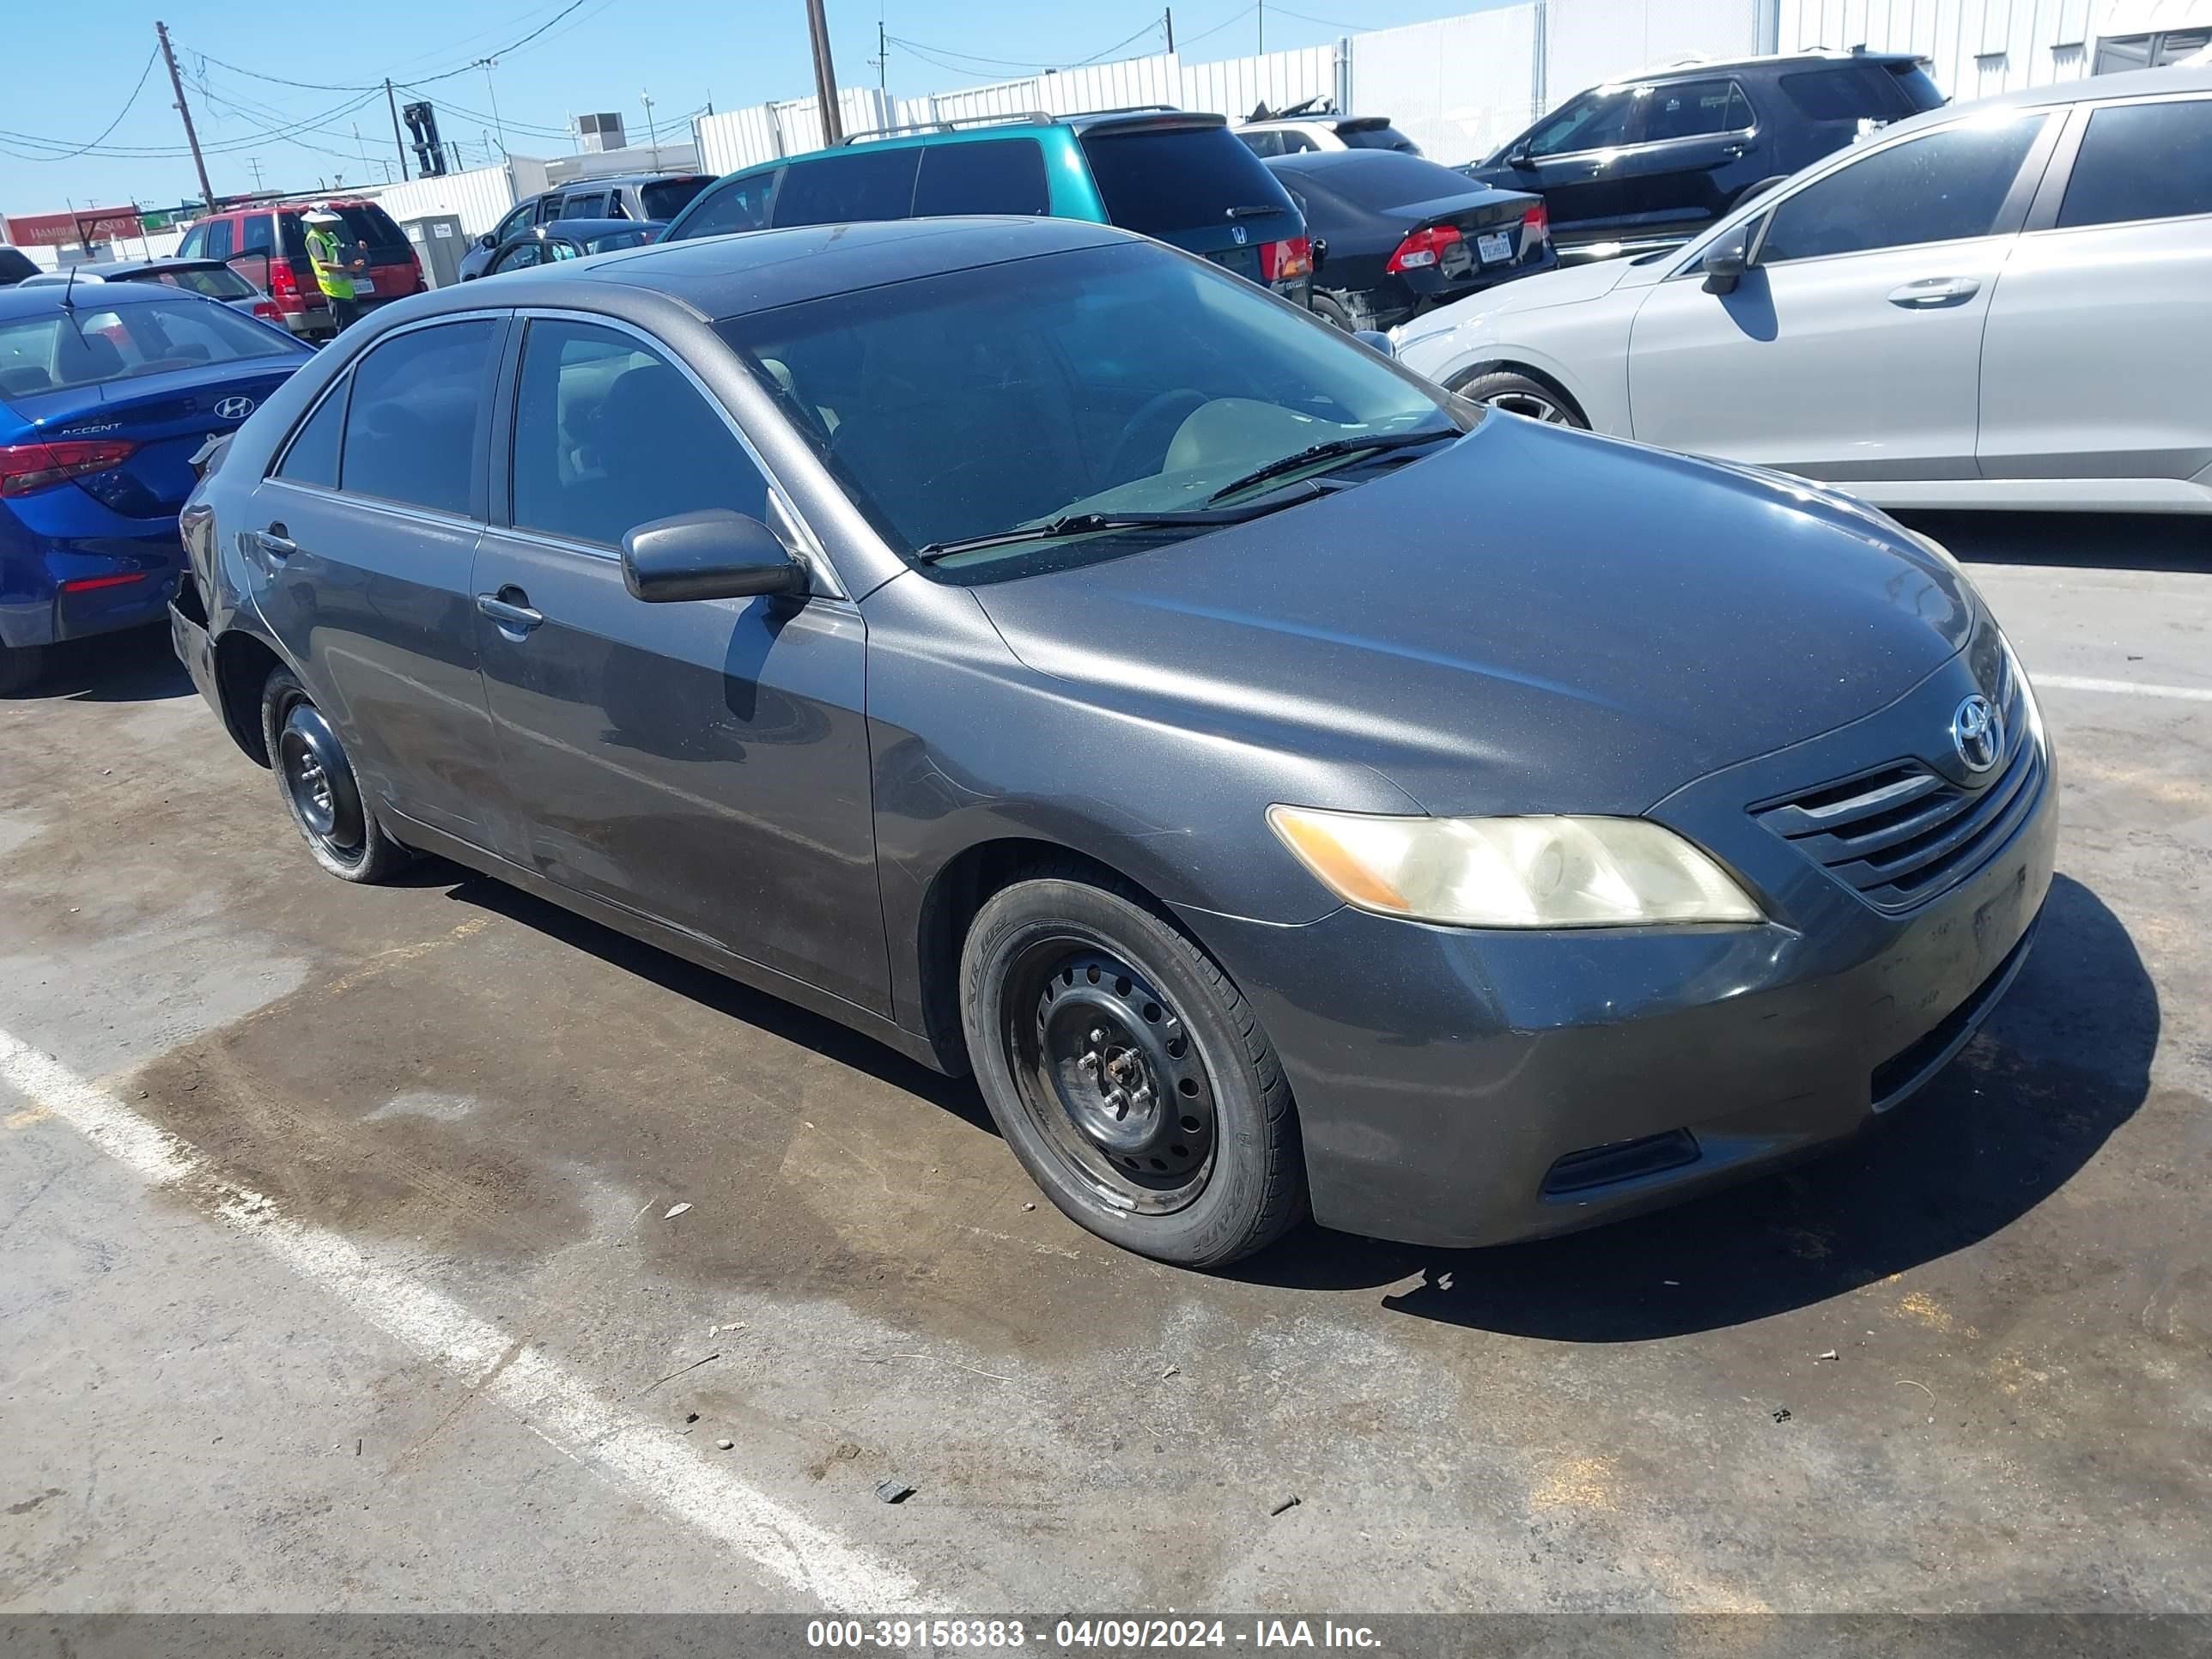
<point>1289,789</point>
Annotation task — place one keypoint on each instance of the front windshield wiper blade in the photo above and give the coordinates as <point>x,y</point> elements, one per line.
<point>1335,446</point>
<point>1083,524</point>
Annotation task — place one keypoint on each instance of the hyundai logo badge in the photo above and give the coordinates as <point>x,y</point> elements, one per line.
<point>235,409</point>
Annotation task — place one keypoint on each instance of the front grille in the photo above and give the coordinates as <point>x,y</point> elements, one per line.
<point>1902,833</point>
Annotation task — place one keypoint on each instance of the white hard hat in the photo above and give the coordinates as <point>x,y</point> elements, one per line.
<point>321,216</point>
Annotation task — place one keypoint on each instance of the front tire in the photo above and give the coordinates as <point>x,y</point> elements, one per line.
<point>1126,1073</point>
<point>1517,394</point>
<point>316,779</point>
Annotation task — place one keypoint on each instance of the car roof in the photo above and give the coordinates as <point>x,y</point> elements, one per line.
<point>621,180</point>
<point>1033,126</point>
<point>2091,89</point>
<point>30,299</point>
<point>731,276</point>
<point>596,226</point>
<point>1691,69</point>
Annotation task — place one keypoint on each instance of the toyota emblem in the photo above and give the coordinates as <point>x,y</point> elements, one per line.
<point>235,409</point>
<point>1978,733</point>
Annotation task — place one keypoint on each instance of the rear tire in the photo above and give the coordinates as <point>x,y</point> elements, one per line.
<point>1516,394</point>
<point>1331,312</point>
<point>20,667</point>
<point>316,779</point>
<point>1126,1073</point>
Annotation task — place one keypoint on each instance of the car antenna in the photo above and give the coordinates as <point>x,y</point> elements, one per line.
<point>69,287</point>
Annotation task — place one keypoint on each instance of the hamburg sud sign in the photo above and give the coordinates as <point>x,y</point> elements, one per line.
<point>80,229</point>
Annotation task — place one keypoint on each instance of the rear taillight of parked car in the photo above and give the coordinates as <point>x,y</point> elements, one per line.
<point>1286,261</point>
<point>27,467</point>
<point>1535,229</point>
<point>284,288</point>
<point>267,311</point>
<point>1423,248</point>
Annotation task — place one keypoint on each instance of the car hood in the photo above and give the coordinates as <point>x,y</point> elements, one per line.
<point>1530,621</point>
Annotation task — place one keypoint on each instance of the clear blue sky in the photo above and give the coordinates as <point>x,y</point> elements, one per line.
<point>69,75</point>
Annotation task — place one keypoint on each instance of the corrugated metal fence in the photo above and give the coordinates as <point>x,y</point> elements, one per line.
<point>1977,48</point>
<point>1458,86</point>
<point>479,197</point>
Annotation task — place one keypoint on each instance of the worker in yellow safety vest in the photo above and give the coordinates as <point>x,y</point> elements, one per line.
<point>333,268</point>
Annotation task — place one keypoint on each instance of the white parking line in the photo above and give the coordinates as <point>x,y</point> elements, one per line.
<point>560,1408</point>
<point>2121,688</point>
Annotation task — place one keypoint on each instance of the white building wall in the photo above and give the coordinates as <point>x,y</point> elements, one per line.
<point>1235,87</point>
<point>1458,86</point>
<point>479,197</point>
<point>1976,48</point>
<point>1588,42</point>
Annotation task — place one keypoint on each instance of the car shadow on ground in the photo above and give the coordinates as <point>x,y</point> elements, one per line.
<point>2064,1063</point>
<point>758,1009</point>
<point>137,665</point>
<point>2137,541</point>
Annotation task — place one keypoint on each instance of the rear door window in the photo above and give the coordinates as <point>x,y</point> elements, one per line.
<point>609,436</point>
<point>1947,186</point>
<point>864,183</point>
<point>996,175</point>
<point>1179,179</point>
<point>260,234</point>
<point>1694,109</point>
<point>1847,92</point>
<point>1263,144</point>
<point>664,198</point>
<point>313,456</point>
<point>2143,162</point>
<point>593,206</point>
<point>220,239</point>
<point>417,416</point>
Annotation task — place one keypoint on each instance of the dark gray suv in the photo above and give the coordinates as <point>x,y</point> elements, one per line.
<point>1284,785</point>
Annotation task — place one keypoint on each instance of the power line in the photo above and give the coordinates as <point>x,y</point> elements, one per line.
<point>170,152</point>
<point>1233,17</point>
<point>128,104</point>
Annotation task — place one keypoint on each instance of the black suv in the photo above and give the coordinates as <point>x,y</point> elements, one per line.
<point>1650,161</point>
<point>654,198</point>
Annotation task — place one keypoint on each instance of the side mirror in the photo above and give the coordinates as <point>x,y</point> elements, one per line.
<point>1375,340</point>
<point>1724,266</point>
<point>1518,156</point>
<point>712,554</point>
<point>487,240</point>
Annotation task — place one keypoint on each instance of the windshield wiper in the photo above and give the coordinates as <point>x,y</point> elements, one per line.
<point>1083,524</point>
<point>1251,211</point>
<point>1334,447</point>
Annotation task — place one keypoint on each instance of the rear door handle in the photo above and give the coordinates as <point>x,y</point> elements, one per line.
<point>506,613</point>
<point>273,542</point>
<point>1931,292</point>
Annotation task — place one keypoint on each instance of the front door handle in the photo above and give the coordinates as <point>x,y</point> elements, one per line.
<point>275,543</point>
<point>1929,292</point>
<point>507,613</point>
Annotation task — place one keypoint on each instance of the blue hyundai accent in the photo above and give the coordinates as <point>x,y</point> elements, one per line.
<point>107,391</point>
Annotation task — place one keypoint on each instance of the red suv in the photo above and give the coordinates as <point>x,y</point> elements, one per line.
<point>268,245</point>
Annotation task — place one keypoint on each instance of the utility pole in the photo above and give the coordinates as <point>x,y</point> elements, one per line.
<point>1169,15</point>
<point>825,75</point>
<point>883,60</point>
<point>489,63</point>
<point>1262,7</point>
<point>398,144</point>
<point>254,162</point>
<point>177,86</point>
<point>652,133</point>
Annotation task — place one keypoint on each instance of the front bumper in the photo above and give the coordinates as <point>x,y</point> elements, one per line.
<point>1462,1088</point>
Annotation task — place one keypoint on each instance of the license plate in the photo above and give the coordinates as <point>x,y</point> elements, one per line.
<point>1496,247</point>
<point>363,287</point>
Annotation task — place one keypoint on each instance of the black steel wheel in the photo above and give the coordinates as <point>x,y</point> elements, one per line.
<point>319,785</point>
<point>1126,1073</point>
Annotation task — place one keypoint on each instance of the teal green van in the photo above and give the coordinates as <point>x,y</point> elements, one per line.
<point>1181,178</point>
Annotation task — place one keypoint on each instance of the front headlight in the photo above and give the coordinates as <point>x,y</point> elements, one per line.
<point>1512,873</point>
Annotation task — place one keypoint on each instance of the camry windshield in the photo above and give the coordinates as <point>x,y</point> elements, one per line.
<point>1080,404</point>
